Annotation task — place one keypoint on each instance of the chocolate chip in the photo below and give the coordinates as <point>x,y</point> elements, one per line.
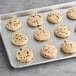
<point>16,37</point>
<point>71,44</point>
<point>18,23</point>
<point>20,48</point>
<point>27,52</point>
<point>39,28</point>
<point>65,41</point>
<point>19,39</point>
<point>57,17</point>
<point>33,16</point>
<point>27,55</point>
<point>10,22</point>
<point>19,53</point>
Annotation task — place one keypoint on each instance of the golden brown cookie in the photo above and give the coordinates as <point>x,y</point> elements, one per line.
<point>62,31</point>
<point>35,20</point>
<point>54,17</point>
<point>13,24</point>
<point>68,47</point>
<point>41,34</point>
<point>71,13</point>
<point>24,55</point>
<point>19,39</point>
<point>48,51</point>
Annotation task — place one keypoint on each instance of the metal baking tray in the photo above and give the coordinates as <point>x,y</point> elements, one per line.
<point>32,44</point>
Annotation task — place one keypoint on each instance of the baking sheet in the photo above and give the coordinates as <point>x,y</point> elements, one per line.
<point>35,45</point>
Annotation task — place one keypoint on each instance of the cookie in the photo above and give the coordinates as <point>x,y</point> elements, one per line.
<point>71,13</point>
<point>68,47</point>
<point>48,51</point>
<point>35,20</point>
<point>19,39</point>
<point>41,34</point>
<point>62,31</point>
<point>54,17</point>
<point>24,55</point>
<point>13,24</point>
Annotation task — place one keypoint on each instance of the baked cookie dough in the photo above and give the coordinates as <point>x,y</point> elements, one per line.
<point>48,51</point>
<point>68,47</point>
<point>54,17</point>
<point>41,34</point>
<point>71,13</point>
<point>19,39</point>
<point>24,55</point>
<point>62,31</point>
<point>35,20</point>
<point>13,24</point>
